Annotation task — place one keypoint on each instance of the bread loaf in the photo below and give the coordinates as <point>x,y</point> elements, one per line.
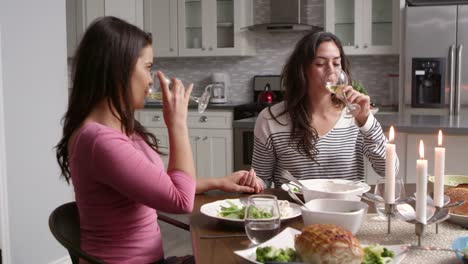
<point>456,194</point>
<point>328,244</point>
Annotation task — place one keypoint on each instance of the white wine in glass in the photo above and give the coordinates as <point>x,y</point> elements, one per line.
<point>202,101</point>
<point>335,80</point>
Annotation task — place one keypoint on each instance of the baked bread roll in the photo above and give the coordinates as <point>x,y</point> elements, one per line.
<point>328,244</point>
<point>457,194</point>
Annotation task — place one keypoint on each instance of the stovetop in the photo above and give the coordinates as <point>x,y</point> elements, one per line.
<point>248,110</point>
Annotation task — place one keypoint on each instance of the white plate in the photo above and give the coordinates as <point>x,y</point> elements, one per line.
<point>286,239</point>
<point>212,210</point>
<point>461,220</point>
<point>364,185</point>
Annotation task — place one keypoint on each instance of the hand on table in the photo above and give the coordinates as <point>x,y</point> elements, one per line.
<point>241,181</point>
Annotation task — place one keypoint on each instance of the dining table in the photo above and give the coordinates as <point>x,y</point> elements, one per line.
<point>215,240</point>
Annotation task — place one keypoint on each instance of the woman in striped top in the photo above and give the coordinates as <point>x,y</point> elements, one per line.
<point>309,133</point>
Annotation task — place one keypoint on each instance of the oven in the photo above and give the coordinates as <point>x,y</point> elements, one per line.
<point>243,148</point>
<point>245,116</point>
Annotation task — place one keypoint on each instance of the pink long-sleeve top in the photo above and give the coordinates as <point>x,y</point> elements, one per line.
<point>119,184</point>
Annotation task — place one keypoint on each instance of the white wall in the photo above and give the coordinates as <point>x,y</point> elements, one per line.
<point>34,99</point>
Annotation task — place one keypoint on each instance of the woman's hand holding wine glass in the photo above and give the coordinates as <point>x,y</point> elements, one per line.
<point>357,105</point>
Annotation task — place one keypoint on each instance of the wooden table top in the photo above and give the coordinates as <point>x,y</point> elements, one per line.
<point>221,250</point>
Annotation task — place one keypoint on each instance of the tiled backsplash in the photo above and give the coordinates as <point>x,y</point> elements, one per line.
<point>272,52</point>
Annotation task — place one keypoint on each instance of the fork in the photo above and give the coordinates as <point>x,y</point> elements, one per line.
<point>286,174</point>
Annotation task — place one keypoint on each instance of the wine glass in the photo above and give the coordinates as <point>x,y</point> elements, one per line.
<point>202,101</point>
<point>262,218</point>
<point>335,80</point>
<point>380,190</point>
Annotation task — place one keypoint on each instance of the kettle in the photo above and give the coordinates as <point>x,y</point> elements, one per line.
<point>266,96</point>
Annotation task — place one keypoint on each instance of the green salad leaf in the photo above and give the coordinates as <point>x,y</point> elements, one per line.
<point>269,253</point>
<point>256,213</point>
<point>377,254</point>
<point>232,212</point>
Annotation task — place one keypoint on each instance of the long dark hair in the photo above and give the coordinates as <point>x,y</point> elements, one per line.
<point>102,67</point>
<point>296,83</point>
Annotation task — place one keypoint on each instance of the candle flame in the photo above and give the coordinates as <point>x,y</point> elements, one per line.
<point>391,135</point>
<point>421,149</point>
<point>440,138</point>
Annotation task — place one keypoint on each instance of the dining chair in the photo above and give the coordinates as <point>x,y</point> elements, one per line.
<point>64,223</point>
<point>173,221</point>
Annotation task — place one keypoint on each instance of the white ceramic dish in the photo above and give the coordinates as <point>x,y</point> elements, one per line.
<point>311,182</point>
<point>450,181</point>
<point>286,239</point>
<point>212,210</point>
<point>316,192</point>
<point>461,220</point>
<point>344,213</point>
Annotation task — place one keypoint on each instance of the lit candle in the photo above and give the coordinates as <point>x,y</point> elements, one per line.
<point>439,171</point>
<point>390,169</point>
<point>421,185</point>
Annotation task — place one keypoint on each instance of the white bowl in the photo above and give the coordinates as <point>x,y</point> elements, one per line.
<point>346,214</point>
<point>323,188</point>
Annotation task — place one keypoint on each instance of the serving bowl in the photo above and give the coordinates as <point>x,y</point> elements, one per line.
<point>323,188</point>
<point>344,213</point>
<point>460,243</point>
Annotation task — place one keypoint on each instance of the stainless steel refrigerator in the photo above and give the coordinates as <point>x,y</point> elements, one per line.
<point>436,42</point>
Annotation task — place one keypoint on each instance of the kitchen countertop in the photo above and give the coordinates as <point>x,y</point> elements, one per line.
<point>225,106</point>
<point>408,123</point>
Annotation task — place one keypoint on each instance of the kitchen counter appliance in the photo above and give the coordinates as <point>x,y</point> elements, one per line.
<point>220,85</point>
<point>436,60</point>
<point>266,91</point>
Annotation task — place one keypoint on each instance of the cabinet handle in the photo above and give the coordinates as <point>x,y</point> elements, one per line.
<point>205,138</point>
<point>203,48</point>
<point>171,49</point>
<point>158,141</point>
<point>365,45</point>
<point>197,138</point>
<point>356,46</point>
<point>210,48</point>
<point>156,118</point>
<point>204,119</point>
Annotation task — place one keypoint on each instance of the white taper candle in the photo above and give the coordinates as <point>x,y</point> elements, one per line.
<point>439,171</point>
<point>389,195</point>
<point>421,186</point>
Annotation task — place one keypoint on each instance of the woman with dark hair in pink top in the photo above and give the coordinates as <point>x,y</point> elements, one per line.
<point>118,176</point>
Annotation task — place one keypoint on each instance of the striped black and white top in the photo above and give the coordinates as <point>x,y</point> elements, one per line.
<point>340,152</point>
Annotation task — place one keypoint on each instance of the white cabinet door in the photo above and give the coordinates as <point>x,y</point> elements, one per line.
<point>213,151</point>
<point>365,26</point>
<point>160,18</point>
<point>210,137</point>
<point>80,13</point>
<point>456,153</point>
<point>213,27</point>
<point>130,11</point>
<point>400,143</point>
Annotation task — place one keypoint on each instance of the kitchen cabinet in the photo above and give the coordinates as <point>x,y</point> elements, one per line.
<point>190,28</point>
<point>365,27</point>
<point>400,143</point>
<point>80,13</point>
<point>210,135</point>
<point>456,153</point>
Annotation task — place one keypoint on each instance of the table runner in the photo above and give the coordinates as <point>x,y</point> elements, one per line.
<point>374,230</point>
